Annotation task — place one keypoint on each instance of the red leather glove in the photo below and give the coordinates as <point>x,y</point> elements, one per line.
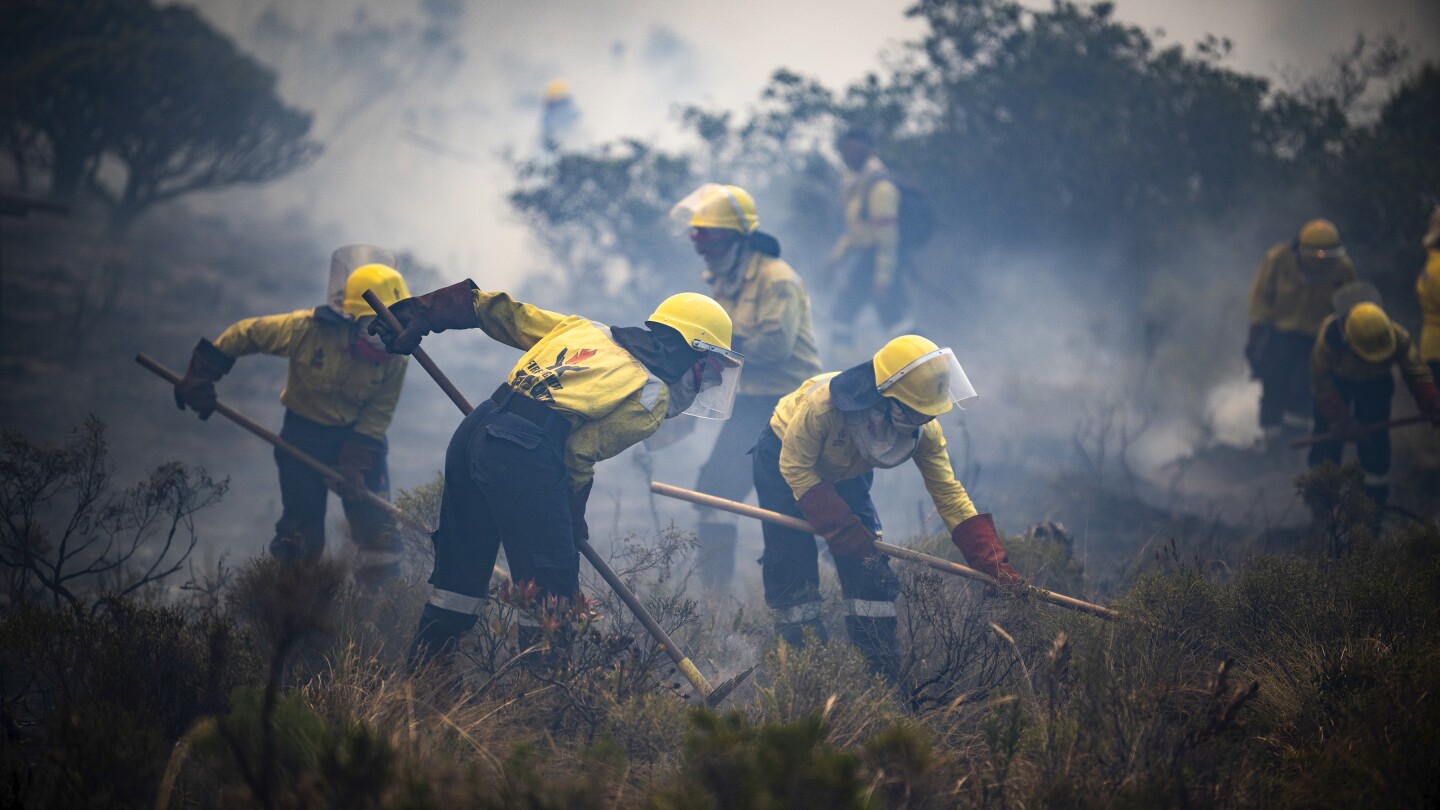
<point>197,388</point>
<point>359,455</point>
<point>977,540</point>
<point>450,307</point>
<point>1337,414</point>
<point>1427,396</point>
<point>831,517</point>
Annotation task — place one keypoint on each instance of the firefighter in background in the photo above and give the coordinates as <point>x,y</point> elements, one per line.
<point>816,460</point>
<point>770,310</point>
<point>340,395</point>
<point>1350,374</point>
<point>559,117</point>
<point>519,468</point>
<point>1289,299</point>
<point>1427,289</point>
<point>866,259</point>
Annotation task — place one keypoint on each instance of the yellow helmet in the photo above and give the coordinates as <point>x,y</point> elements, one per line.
<point>1369,333</point>
<point>698,318</point>
<point>557,90</point>
<point>1320,239</point>
<point>718,206</point>
<point>386,281</point>
<point>921,375</point>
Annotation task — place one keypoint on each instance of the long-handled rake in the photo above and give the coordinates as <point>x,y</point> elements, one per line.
<point>898,552</point>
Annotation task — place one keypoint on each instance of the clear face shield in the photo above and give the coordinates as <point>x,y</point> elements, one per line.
<point>931,384</point>
<point>708,390</point>
<point>347,260</point>
<point>710,203</point>
<point>1356,292</point>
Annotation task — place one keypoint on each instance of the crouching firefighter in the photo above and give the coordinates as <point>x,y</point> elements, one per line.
<point>519,468</point>
<point>340,395</point>
<point>816,460</point>
<point>1350,375</point>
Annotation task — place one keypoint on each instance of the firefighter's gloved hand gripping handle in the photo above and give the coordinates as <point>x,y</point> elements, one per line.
<point>714,695</point>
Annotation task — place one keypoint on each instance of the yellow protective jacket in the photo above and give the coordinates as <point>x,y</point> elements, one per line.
<point>815,446</point>
<point>572,365</point>
<point>872,218</point>
<point>327,383</point>
<point>1427,289</point>
<point>1332,359</point>
<point>1285,299</point>
<point>771,316</point>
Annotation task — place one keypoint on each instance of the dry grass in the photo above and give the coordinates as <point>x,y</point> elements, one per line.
<point>1293,682</point>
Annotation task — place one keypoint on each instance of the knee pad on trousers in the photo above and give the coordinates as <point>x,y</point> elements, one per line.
<point>438,635</point>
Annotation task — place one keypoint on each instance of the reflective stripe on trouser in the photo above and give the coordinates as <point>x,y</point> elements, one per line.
<point>374,568</point>
<point>300,532</point>
<point>727,474</point>
<point>1284,374</point>
<point>791,623</point>
<point>1370,402</point>
<point>790,565</point>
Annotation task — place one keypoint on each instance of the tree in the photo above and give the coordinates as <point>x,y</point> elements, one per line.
<point>138,104</point>
<point>1386,185</point>
<point>595,211</point>
<point>64,534</point>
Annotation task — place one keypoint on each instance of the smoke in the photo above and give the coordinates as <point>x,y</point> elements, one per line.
<point>423,105</point>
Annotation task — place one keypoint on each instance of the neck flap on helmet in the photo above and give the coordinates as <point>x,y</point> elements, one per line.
<point>854,388</point>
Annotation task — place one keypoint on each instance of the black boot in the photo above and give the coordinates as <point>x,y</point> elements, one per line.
<point>878,639</point>
<point>438,636</point>
<point>717,556</point>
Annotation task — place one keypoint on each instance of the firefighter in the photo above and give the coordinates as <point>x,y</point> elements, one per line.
<point>770,310</point>
<point>816,460</point>
<point>1290,297</point>
<point>1350,374</point>
<point>559,118</point>
<point>519,468</point>
<point>1427,289</point>
<point>340,395</point>
<point>866,260</point>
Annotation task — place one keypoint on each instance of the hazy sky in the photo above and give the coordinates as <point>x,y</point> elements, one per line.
<point>420,168</point>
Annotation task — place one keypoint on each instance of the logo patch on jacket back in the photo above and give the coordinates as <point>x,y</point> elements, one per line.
<point>317,360</point>
<point>542,383</point>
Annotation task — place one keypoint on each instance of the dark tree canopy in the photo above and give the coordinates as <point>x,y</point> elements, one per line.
<point>137,104</point>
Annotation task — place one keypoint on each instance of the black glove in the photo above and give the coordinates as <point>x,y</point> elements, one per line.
<point>450,307</point>
<point>359,456</point>
<point>580,530</point>
<point>197,388</point>
<point>1255,347</point>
